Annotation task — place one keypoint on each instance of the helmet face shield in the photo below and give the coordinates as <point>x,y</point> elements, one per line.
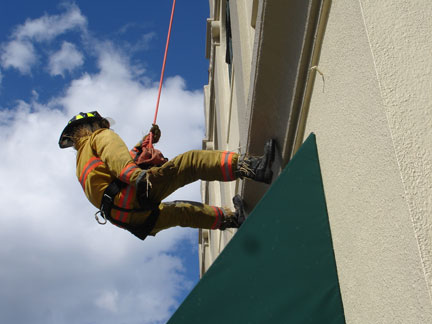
<point>82,118</point>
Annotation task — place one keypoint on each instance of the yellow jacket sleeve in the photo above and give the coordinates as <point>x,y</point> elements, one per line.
<point>114,153</point>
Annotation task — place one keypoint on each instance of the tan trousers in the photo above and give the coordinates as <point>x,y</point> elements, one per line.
<point>180,171</point>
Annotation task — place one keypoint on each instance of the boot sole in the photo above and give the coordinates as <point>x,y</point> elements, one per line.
<point>269,152</point>
<point>238,205</point>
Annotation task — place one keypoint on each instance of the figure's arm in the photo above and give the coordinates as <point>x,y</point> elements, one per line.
<point>115,154</point>
<point>136,151</point>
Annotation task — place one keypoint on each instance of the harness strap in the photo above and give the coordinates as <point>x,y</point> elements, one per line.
<point>142,230</point>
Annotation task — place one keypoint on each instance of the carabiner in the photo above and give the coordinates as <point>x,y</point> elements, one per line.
<point>103,216</point>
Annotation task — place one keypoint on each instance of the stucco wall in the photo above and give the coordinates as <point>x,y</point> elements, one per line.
<point>373,121</point>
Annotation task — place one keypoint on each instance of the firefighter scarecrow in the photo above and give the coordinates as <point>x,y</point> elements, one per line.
<point>128,186</point>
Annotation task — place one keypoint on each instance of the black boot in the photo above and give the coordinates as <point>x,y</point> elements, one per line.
<point>236,220</point>
<point>258,168</point>
<point>239,209</point>
<point>229,222</point>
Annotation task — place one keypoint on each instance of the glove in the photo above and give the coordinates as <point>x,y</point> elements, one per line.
<point>156,133</point>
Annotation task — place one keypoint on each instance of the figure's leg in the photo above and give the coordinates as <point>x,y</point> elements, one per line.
<point>160,182</point>
<point>192,214</point>
<point>189,167</point>
<point>198,215</point>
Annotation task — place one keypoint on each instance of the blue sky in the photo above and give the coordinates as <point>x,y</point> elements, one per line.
<point>59,58</point>
<point>138,28</point>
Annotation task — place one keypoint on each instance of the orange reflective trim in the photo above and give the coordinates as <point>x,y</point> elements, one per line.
<point>223,166</point>
<point>92,164</point>
<point>125,201</point>
<point>226,166</point>
<point>127,171</point>
<point>230,172</point>
<point>218,220</point>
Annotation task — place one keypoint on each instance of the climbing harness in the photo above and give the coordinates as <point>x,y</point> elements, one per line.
<point>163,68</point>
<point>142,230</point>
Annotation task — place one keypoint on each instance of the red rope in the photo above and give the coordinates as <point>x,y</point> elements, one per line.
<point>163,71</point>
<point>164,62</point>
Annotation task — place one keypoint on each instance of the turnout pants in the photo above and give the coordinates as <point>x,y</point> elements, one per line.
<point>180,171</point>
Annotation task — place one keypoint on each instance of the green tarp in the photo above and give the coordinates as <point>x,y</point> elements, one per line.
<point>280,265</point>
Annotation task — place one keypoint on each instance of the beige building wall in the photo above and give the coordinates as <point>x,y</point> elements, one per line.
<point>226,89</point>
<point>357,73</point>
<point>373,126</point>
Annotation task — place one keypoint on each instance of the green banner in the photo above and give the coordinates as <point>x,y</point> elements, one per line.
<point>280,265</point>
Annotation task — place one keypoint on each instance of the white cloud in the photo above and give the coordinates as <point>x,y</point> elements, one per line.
<point>58,264</point>
<point>20,53</point>
<point>47,27</point>
<point>67,58</point>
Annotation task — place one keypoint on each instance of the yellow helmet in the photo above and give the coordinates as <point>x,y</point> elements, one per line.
<point>82,118</point>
